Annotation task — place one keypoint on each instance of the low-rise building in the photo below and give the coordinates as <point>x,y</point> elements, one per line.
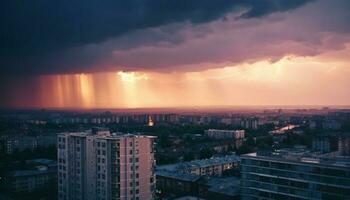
<point>225,134</point>
<point>14,143</point>
<point>178,183</point>
<point>213,166</point>
<point>39,173</point>
<point>208,187</point>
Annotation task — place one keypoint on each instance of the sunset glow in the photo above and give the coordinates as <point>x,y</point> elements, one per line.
<point>245,84</point>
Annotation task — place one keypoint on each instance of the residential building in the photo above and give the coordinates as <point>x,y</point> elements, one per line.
<point>39,173</point>
<point>325,143</point>
<point>344,144</point>
<point>225,134</point>
<point>212,166</point>
<point>295,174</point>
<point>250,123</point>
<point>169,182</point>
<point>208,187</point>
<point>20,142</point>
<point>105,166</point>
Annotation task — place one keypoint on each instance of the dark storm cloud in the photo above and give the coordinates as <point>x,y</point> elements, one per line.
<point>33,32</point>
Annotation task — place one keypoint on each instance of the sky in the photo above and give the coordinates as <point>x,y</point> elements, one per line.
<point>165,53</point>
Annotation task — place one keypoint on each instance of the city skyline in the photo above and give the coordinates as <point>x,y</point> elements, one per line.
<point>157,55</point>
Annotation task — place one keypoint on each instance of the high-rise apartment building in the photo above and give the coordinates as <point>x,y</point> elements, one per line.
<point>294,174</point>
<point>105,166</point>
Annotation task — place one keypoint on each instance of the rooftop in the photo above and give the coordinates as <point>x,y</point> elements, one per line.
<point>105,134</point>
<point>22,173</point>
<point>36,167</point>
<point>229,185</point>
<point>189,198</point>
<point>42,161</point>
<point>303,155</point>
<point>178,175</point>
<point>223,130</point>
<point>201,163</point>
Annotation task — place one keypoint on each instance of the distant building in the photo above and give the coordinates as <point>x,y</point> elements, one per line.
<point>250,123</point>
<point>312,125</point>
<point>39,173</point>
<point>325,143</point>
<point>344,144</point>
<point>225,134</point>
<point>213,166</point>
<point>100,165</point>
<point>22,142</point>
<point>331,125</point>
<point>295,174</point>
<point>226,121</point>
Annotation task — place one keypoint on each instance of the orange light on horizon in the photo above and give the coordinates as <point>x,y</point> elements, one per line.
<point>289,81</point>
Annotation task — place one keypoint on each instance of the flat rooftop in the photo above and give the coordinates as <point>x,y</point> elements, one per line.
<point>201,163</point>
<point>224,130</point>
<point>228,186</point>
<point>304,156</point>
<point>177,175</point>
<point>106,134</point>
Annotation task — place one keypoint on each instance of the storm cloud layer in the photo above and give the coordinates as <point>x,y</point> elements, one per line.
<point>45,37</point>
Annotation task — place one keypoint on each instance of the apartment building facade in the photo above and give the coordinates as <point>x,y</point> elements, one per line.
<point>294,176</point>
<point>105,166</point>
